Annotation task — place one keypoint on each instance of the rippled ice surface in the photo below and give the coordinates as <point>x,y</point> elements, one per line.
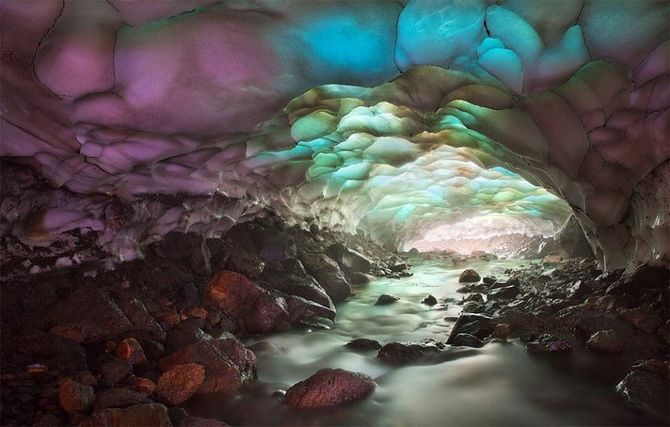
<point>500,384</point>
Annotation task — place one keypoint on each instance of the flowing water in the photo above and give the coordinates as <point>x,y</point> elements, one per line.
<point>499,384</point>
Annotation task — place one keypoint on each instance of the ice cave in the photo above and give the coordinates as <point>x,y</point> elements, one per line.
<point>334,213</point>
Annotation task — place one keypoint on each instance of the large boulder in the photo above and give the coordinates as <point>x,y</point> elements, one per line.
<point>90,314</point>
<point>180,382</point>
<point>349,260</point>
<point>646,391</point>
<point>399,354</point>
<point>605,341</point>
<point>327,272</point>
<point>329,387</point>
<point>468,276</point>
<point>74,396</point>
<point>226,361</point>
<point>251,307</point>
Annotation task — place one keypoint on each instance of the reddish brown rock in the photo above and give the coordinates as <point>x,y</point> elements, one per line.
<point>329,387</point>
<point>75,397</point>
<point>643,319</point>
<point>148,414</point>
<point>251,307</point>
<point>180,382</point>
<point>143,385</point>
<point>131,351</point>
<point>227,363</point>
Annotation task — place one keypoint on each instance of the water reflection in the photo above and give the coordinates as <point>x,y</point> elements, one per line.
<point>500,384</point>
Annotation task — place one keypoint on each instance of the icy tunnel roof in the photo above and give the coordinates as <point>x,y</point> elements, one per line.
<point>432,110</point>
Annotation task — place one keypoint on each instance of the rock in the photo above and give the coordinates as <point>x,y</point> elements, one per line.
<point>226,361</point>
<point>90,312</point>
<point>473,307</point>
<point>348,259</point>
<point>143,385</point>
<point>357,278</point>
<point>469,275</point>
<point>131,351</point>
<point>579,290</point>
<point>475,297</point>
<point>657,367</point>
<point>120,398</point>
<point>246,263</point>
<point>202,422</point>
<point>147,414</point>
<point>301,309</point>
<point>475,324</point>
<point>547,343</point>
<point>507,292</point>
<point>489,280</point>
<point>502,331</point>
<point>386,299</point>
<point>647,392</point>
<point>186,333</point>
<point>310,291</point>
<point>327,272</point>
<point>364,344</point>
<point>180,382</point>
<point>402,354</point>
<point>429,300</point>
<point>329,387</point>
<point>139,317</point>
<point>251,307</point>
<point>467,340</point>
<point>643,319</point>
<point>114,371</point>
<point>605,341</point>
<point>74,396</point>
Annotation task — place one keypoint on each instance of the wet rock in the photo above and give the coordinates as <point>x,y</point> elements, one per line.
<point>251,307</point>
<point>92,313</point>
<point>148,414</point>
<point>329,387</point>
<point>114,371</point>
<point>310,291</point>
<point>143,385</point>
<point>120,398</point>
<point>605,341</point>
<point>579,290</point>
<point>647,392</point>
<point>131,351</point>
<point>386,299</point>
<point>474,297</point>
<point>489,280</point>
<point>502,331</point>
<point>643,319</point>
<point>227,363</point>
<point>301,309</point>
<point>469,275</point>
<point>327,272</point>
<point>349,259</point>
<point>506,292</point>
<point>657,367</point>
<point>74,396</point>
<point>473,307</point>
<point>479,325</point>
<point>180,382</point>
<point>548,343</point>
<point>186,333</point>
<point>178,416</point>
<point>364,344</point>
<point>429,300</point>
<point>357,278</point>
<point>402,354</point>
<point>467,340</point>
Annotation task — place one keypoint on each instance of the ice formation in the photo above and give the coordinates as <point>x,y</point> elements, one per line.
<point>432,111</point>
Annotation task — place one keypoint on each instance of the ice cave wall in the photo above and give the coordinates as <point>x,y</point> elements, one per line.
<point>133,99</point>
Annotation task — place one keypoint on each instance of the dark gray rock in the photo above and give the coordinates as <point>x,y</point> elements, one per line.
<point>364,344</point>
<point>646,392</point>
<point>386,299</point>
<point>467,340</point>
<point>429,300</point>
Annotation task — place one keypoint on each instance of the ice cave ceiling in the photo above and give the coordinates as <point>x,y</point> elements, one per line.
<point>395,117</point>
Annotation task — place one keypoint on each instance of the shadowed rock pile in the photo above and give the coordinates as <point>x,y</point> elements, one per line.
<point>92,346</point>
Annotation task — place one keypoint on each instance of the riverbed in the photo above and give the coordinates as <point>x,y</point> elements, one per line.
<point>499,384</point>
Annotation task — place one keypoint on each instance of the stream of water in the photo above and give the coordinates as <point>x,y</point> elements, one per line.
<point>499,384</point>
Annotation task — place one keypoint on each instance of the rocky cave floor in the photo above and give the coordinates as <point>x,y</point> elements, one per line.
<point>127,346</point>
